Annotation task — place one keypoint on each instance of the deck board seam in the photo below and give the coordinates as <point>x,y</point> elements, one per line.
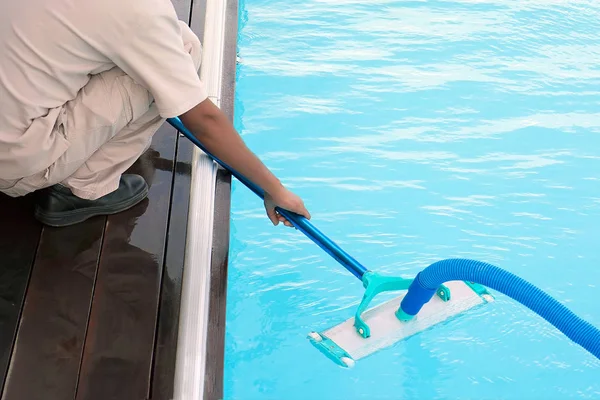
<point>163,264</point>
<point>20,313</point>
<point>89,313</point>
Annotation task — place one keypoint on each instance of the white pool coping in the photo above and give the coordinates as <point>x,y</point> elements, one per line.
<point>193,321</point>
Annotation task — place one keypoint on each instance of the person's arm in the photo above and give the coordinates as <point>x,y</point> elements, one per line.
<point>150,50</point>
<point>212,128</point>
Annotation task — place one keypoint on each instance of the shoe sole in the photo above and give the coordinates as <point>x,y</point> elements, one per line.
<point>68,218</point>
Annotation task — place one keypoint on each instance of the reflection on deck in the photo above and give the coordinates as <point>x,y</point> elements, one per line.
<point>90,311</point>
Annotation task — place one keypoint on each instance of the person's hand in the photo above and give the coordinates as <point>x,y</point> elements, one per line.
<point>286,200</point>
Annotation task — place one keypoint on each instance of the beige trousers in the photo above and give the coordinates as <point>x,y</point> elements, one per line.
<point>108,125</point>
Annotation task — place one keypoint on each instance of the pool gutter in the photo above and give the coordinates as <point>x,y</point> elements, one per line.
<point>200,349</point>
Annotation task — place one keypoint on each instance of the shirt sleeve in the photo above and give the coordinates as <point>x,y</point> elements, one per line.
<point>154,56</point>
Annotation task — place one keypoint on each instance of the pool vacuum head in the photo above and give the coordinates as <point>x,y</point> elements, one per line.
<point>346,343</point>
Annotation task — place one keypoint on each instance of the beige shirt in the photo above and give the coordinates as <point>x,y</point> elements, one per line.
<point>49,49</point>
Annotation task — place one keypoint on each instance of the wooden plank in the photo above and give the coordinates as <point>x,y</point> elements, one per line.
<point>198,12</point>
<point>163,374</point>
<point>215,349</point>
<point>183,9</point>
<point>117,357</point>
<point>50,339</point>
<point>229,59</point>
<point>170,300</point>
<point>165,351</point>
<point>215,353</point>
<point>18,243</point>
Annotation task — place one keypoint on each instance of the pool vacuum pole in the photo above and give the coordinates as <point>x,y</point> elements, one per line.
<point>301,223</point>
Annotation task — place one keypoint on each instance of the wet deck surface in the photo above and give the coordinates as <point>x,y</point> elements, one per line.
<point>91,311</point>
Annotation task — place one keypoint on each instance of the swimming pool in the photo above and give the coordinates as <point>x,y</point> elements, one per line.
<point>417,131</point>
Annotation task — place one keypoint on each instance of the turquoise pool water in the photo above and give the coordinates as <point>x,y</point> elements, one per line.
<point>417,131</point>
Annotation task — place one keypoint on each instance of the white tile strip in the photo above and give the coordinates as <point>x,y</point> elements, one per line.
<point>191,347</point>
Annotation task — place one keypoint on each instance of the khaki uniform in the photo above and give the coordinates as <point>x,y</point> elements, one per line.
<point>84,88</point>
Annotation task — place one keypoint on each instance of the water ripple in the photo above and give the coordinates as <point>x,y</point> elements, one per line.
<point>416,131</point>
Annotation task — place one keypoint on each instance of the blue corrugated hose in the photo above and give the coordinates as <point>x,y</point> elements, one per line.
<point>427,281</point>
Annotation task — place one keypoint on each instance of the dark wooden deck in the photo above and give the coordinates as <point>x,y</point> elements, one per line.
<point>91,311</point>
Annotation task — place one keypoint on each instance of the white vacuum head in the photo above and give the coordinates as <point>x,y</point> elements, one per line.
<point>343,345</point>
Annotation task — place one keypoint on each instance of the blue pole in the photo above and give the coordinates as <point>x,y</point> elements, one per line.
<point>301,223</point>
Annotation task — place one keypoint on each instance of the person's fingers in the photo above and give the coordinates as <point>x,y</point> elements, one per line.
<point>273,216</point>
<point>304,212</point>
<point>284,220</point>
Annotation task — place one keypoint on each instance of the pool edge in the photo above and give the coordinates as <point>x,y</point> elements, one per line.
<point>214,373</point>
<point>200,350</point>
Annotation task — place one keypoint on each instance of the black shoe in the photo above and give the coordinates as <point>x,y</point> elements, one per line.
<point>58,206</point>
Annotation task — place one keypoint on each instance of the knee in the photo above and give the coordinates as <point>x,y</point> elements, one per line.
<point>191,44</point>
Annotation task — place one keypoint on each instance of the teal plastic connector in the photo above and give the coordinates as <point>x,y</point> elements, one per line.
<point>375,284</point>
